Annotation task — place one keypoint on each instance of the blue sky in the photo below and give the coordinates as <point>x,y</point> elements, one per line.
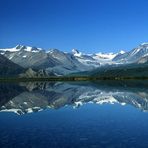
<point>88,25</point>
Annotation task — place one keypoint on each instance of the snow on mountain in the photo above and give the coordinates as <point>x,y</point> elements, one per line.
<point>133,55</point>
<point>121,52</point>
<point>94,60</point>
<point>108,56</point>
<point>54,60</point>
<point>24,56</point>
<point>144,44</point>
<point>85,59</point>
<point>76,53</point>
<point>21,47</point>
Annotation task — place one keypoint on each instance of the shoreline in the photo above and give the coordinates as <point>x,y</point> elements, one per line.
<point>16,79</point>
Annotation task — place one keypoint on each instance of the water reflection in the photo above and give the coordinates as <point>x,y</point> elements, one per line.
<point>31,97</point>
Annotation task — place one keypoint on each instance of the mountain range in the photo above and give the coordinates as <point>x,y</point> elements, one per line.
<point>28,61</point>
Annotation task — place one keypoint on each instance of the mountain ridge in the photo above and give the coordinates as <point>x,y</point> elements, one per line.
<point>54,61</point>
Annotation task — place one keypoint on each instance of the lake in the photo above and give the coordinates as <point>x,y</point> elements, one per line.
<point>102,114</point>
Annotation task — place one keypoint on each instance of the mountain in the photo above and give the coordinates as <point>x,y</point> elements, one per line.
<point>125,64</point>
<point>143,60</point>
<point>26,56</point>
<point>51,60</point>
<point>132,56</point>
<point>54,60</point>
<point>94,60</point>
<point>8,68</point>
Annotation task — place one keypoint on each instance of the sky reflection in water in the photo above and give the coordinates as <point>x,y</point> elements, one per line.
<point>66,115</point>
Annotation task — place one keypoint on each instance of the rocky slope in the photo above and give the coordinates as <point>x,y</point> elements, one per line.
<point>134,55</point>
<point>8,68</point>
<point>54,60</point>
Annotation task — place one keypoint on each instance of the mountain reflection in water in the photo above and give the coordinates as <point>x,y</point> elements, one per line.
<point>28,97</point>
<point>104,114</point>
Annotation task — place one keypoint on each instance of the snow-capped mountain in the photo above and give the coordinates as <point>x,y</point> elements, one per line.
<point>107,56</point>
<point>51,60</point>
<point>134,55</point>
<point>54,60</point>
<point>95,60</point>
<point>21,47</point>
<point>62,63</point>
<point>104,58</point>
<point>85,59</point>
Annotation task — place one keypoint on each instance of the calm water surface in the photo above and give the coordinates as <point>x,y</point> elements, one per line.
<point>109,114</point>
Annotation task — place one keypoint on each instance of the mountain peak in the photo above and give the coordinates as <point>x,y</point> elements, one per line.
<point>122,52</point>
<point>27,48</point>
<point>53,50</point>
<point>76,52</point>
<point>20,46</point>
<point>144,44</point>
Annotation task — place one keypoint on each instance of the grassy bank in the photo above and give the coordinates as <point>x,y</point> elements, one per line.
<point>72,78</point>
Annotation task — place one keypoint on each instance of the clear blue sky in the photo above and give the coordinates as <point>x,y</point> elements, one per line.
<point>88,25</point>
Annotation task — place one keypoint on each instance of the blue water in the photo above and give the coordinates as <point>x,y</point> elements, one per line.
<point>88,126</point>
